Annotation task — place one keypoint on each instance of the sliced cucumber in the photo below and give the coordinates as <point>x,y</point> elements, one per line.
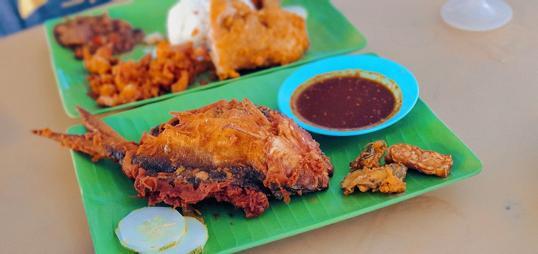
<point>151,229</point>
<point>192,243</point>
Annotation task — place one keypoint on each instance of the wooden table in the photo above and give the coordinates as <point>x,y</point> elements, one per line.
<point>483,85</point>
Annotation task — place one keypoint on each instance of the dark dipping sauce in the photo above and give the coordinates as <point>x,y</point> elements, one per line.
<point>344,102</point>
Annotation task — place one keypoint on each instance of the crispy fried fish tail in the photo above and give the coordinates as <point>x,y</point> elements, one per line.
<point>93,124</point>
<point>87,143</point>
<point>101,141</point>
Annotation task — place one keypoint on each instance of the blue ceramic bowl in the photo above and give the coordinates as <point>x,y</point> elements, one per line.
<point>393,75</point>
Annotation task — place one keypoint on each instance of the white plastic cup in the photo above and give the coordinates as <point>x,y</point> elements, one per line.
<point>476,15</point>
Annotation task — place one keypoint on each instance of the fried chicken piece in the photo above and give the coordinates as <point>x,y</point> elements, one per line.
<point>233,152</point>
<point>243,38</point>
<point>370,156</point>
<point>427,162</point>
<point>113,82</point>
<point>92,32</point>
<point>387,179</point>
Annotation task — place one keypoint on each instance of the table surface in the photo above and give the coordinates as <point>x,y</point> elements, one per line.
<point>483,85</point>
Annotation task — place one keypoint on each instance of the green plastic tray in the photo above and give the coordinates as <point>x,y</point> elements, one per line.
<point>108,195</point>
<point>329,31</point>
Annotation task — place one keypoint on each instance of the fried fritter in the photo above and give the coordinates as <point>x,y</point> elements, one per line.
<point>387,179</point>
<point>427,162</point>
<point>367,174</point>
<point>370,156</point>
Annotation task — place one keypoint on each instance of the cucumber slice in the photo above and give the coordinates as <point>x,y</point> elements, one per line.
<point>151,229</point>
<point>192,243</point>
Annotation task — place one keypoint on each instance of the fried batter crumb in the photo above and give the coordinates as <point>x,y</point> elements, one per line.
<point>114,82</point>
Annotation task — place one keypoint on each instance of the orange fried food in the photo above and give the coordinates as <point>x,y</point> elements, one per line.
<point>367,174</point>
<point>386,179</point>
<point>234,152</point>
<point>113,82</point>
<point>370,156</point>
<point>243,38</point>
<point>427,162</point>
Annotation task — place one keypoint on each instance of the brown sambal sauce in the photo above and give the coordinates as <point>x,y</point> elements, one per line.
<point>344,102</point>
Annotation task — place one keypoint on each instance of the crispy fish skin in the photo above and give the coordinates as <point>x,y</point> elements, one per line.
<point>370,157</point>
<point>385,179</point>
<point>427,162</point>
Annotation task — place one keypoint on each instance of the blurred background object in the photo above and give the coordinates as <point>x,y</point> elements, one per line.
<point>17,15</point>
<point>476,15</point>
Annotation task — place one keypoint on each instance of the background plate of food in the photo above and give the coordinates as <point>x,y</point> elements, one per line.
<point>416,155</point>
<point>115,61</point>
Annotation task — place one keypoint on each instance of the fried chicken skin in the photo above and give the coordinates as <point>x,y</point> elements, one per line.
<point>231,151</point>
<point>387,179</point>
<point>244,38</point>
<point>427,162</point>
<point>370,156</point>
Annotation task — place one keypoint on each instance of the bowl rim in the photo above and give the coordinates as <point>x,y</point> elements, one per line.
<point>398,74</point>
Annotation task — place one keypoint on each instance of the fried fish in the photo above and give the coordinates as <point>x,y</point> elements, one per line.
<point>231,151</point>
